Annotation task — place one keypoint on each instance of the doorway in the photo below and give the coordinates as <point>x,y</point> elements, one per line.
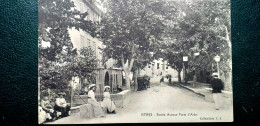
<point>107,79</point>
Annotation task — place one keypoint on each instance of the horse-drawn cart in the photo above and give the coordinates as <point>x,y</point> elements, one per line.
<point>143,83</point>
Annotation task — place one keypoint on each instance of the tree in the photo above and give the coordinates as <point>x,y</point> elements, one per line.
<point>57,58</point>
<point>175,62</point>
<point>222,28</point>
<point>85,65</point>
<point>141,61</point>
<point>215,34</point>
<point>177,37</point>
<point>196,30</point>
<point>131,28</point>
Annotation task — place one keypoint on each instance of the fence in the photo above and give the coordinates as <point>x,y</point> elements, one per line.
<point>73,96</point>
<point>53,94</point>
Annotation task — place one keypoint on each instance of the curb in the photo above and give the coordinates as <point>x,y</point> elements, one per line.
<point>200,94</point>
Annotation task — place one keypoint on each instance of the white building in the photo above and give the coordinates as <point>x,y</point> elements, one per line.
<point>158,68</point>
<point>81,38</point>
<point>111,76</point>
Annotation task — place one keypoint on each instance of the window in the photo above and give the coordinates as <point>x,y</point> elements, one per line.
<point>81,7</point>
<point>149,66</point>
<point>123,78</point>
<point>94,48</point>
<point>116,80</point>
<point>158,65</point>
<point>112,80</point>
<point>82,39</point>
<point>163,66</point>
<point>88,16</point>
<point>88,43</point>
<point>167,67</point>
<point>98,18</point>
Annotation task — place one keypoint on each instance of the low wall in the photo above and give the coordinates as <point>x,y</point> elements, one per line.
<point>208,95</point>
<point>79,100</point>
<point>75,110</point>
<point>121,99</point>
<point>227,96</point>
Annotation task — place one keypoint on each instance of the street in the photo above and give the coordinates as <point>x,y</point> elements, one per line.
<point>160,104</point>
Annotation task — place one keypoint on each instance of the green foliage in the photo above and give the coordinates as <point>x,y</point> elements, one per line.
<point>86,64</point>
<point>131,27</point>
<point>200,27</point>
<point>56,75</point>
<point>175,60</point>
<point>59,61</point>
<point>55,17</point>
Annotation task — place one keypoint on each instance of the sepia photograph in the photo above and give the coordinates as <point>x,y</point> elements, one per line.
<point>134,61</point>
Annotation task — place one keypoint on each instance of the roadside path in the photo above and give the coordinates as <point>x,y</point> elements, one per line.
<point>162,104</point>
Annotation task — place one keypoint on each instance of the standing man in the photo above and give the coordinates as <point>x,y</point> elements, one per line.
<point>217,86</point>
<point>170,79</point>
<point>161,80</point>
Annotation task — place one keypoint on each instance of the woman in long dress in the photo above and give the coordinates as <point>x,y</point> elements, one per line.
<point>108,104</point>
<point>98,111</point>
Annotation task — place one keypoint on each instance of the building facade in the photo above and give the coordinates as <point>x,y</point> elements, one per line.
<point>158,68</point>
<point>106,74</point>
<point>81,38</point>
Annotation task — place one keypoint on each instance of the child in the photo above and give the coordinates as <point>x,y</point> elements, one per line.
<point>108,104</point>
<point>46,106</point>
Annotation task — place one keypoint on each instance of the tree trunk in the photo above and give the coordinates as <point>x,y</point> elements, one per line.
<point>127,79</point>
<point>179,76</point>
<point>135,74</point>
<point>228,86</point>
<point>204,76</point>
<point>195,78</point>
<point>71,96</point>
<point>186,77</point>
<point>127,68</point>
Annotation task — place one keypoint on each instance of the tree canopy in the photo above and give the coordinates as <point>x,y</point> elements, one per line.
<point>59,61</point>
<point>131,29</point>
<point>203,27</point>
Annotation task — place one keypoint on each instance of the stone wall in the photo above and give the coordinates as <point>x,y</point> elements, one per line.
<point>121,99</point>
<point>79,100</point>
<point>227,97</point>
<point>208,95</point>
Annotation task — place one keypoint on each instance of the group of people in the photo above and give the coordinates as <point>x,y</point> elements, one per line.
<point>100,107</point>
<point>49,112</point>
<point>62,109</point>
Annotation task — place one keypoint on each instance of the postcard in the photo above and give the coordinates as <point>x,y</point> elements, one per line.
<point>134,61</point>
